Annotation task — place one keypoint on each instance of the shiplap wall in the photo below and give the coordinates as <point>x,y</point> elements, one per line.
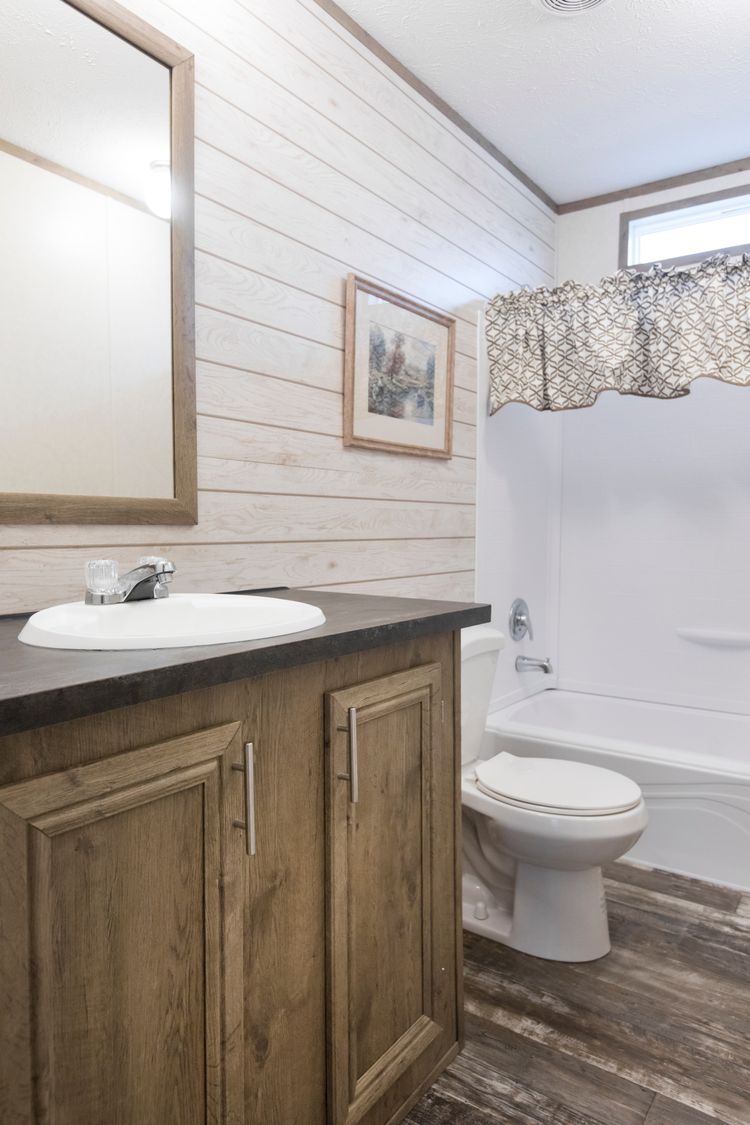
<point>312,159</point>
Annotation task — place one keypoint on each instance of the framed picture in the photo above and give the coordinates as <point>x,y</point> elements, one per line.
<point>398,385</point>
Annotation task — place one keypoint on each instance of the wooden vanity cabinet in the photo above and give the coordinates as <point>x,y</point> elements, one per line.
<point>155,972</point>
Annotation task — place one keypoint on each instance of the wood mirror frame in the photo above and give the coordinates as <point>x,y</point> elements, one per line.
<point>182,507</point>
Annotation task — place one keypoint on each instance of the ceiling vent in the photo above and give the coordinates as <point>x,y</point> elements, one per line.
<point>569,7</point>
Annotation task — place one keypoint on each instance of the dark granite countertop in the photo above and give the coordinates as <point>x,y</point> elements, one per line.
<point>39,686</point>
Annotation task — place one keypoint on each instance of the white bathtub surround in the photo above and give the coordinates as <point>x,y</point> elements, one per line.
<point>535,835</point>
<point>692,766</point>
<point>518,531</point>
<point>655,519</point>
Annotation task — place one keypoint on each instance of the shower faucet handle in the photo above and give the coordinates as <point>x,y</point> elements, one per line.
<point>519,622</point>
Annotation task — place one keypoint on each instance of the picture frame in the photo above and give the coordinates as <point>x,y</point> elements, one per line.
<point>398,372</point>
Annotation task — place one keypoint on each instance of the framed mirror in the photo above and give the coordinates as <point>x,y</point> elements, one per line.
<point>97,354</point>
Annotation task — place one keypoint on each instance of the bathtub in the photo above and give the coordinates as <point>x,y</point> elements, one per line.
<point>692,765</point>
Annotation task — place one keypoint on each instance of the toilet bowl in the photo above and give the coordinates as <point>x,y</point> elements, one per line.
<point>536,832</point>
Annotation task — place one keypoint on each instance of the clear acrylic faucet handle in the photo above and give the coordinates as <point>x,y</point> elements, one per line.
<point>102,576</point>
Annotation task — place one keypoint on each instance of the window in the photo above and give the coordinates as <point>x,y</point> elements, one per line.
<point>685,232</point>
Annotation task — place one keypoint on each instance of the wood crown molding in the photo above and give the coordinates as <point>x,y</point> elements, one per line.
<point>683,180</point>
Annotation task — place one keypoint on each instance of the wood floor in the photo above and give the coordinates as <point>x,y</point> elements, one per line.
<point>657,1033</point>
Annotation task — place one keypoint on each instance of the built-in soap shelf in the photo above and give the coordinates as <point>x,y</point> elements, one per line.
<point>715,638</point>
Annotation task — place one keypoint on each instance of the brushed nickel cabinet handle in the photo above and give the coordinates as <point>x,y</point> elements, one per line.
<point>353,755</point>
<point>248,768</point>
<point>353,775</point>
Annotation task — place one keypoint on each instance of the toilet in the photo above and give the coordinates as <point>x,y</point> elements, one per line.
<point>536,832</point>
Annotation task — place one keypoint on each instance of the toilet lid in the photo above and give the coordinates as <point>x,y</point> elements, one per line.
<point>560,787</point>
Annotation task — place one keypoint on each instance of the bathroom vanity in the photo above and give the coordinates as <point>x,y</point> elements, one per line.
<point>228,884</point>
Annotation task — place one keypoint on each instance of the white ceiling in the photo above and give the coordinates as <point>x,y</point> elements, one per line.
<point>78,95</point>
<point>632,91</point>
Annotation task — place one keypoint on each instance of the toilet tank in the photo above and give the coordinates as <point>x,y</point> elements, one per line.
<point>480,646</point>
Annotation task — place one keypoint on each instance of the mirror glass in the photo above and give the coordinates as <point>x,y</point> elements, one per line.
<point>85,244</point>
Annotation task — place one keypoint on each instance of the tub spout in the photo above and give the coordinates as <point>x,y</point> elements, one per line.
<point>533,664</point>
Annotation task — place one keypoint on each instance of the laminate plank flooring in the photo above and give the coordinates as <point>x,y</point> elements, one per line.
<point>656,1033</point>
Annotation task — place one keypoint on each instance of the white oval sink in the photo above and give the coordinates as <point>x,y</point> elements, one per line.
<point>179,621</point>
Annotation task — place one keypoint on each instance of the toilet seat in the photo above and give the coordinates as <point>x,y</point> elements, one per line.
<point>552,786</point>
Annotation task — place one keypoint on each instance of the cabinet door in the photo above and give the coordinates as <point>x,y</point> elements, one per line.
<point>121,960</point>
<point>390,786</point>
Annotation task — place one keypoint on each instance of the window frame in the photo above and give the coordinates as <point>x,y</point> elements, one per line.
<point>626,217</point>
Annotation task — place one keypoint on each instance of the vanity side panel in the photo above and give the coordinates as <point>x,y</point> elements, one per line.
<point>15,1051</point>
<point>452,697</point>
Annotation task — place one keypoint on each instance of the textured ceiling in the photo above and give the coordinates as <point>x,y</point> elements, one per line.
<point>74,93</point>
<point>633,91</point>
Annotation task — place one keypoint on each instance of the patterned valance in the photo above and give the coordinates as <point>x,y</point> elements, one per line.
<point>646,334</point>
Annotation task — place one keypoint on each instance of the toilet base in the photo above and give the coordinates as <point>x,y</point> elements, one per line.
<point>556,915</point>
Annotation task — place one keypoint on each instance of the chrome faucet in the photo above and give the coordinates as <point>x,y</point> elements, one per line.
<point>149,579</point>
<point>534,663</point>
<point>519,626</point>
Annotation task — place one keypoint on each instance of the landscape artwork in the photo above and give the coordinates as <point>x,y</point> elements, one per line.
<point>398,372</point>
<point>402,376</point>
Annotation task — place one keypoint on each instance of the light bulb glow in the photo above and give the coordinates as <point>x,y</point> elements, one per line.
<point>158,189</point>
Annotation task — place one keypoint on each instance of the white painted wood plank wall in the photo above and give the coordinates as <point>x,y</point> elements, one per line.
<point>313,159</point>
